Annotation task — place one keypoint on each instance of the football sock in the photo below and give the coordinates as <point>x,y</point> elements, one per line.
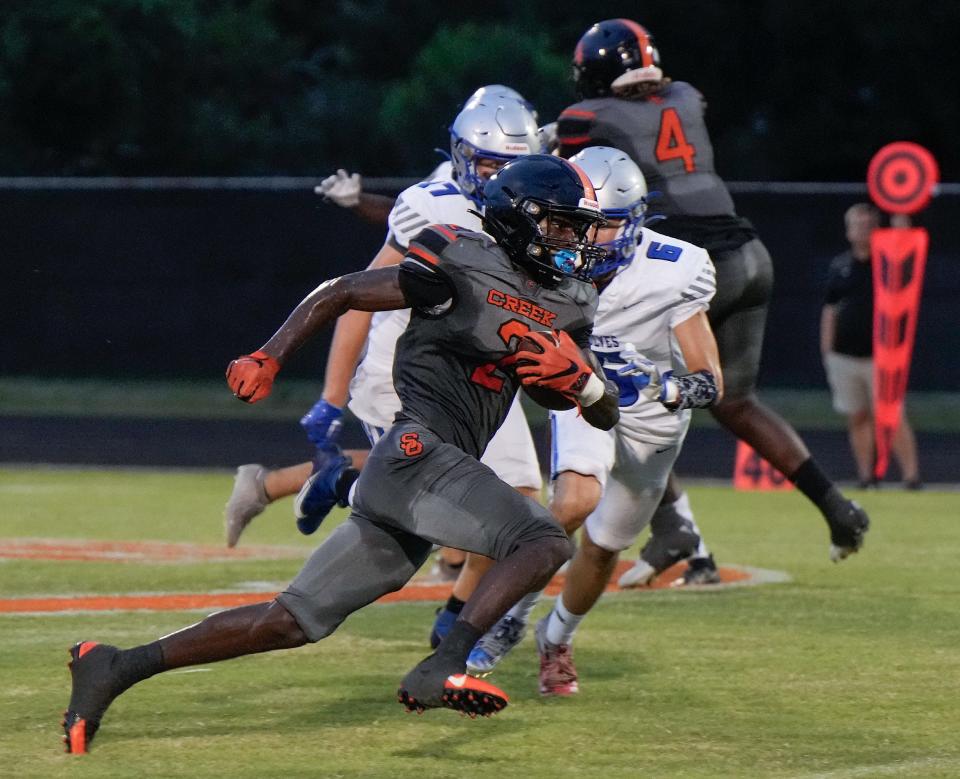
<point>813,482</point>
<point>521,611</point>
<point>683,508</point>
<point>457,644</point>
<point>454,604</point>
<point>562,623</point>
<point>666,517</point>
<point>141,662</point>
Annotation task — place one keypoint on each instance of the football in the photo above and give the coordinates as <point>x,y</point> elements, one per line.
<point>543,397</point>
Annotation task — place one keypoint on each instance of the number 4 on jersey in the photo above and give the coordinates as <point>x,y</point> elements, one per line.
<point>672,143</point>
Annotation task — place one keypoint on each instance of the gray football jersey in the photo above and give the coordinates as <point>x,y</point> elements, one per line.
<point>666,135</point>
<point>445,371</point>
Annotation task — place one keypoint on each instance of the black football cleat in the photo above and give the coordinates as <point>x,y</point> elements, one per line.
<point>700,570</point>
<point>91,669</point>
<point>848,524</point>
<point>429,687</point>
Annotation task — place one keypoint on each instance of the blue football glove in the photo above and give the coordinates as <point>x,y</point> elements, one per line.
<point>323,423</point>
<point>647,376</point>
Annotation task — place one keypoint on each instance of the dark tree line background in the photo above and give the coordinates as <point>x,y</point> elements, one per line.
<point>797,90</point>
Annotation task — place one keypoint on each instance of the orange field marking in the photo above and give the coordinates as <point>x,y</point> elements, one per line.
<point>414,591</point>
<point>139,551</point>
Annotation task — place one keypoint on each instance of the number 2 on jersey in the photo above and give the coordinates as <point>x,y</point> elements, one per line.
<point>487,375</point>
<point>672,143</point>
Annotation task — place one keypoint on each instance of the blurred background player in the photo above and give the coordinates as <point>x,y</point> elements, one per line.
<point>846,343</point>
<point>652,336</point>
<point>346,190</point>
<point>422,484</point>
<point>625,101</point>
<point>483,137</point>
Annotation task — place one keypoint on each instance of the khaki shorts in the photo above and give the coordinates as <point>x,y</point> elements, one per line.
<point>851,382</point>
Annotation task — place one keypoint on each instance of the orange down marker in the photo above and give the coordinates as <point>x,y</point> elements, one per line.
<point>901,178</point>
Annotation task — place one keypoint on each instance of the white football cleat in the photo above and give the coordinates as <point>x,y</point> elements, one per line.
<point>640,575</point>
<point>247,500</point>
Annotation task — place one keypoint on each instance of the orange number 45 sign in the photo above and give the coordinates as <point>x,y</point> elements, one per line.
<point>752,472</point>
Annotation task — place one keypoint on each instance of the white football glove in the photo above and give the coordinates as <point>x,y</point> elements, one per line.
<point>647,377</point>
<point>341,188</point>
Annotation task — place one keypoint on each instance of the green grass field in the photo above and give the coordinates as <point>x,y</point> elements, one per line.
<point>849,670</point>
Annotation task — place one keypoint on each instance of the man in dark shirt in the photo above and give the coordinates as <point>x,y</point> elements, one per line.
<point>474,296</point>
<point>846,342</point>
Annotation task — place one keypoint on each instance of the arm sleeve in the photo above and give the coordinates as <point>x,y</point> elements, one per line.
<point>427,290</point>
<point>425,284</point>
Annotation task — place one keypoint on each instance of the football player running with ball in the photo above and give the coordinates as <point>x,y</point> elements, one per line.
<point>652,336</point>
<point>627,102</point>
<point>423,483</point>
<point>490,130</point>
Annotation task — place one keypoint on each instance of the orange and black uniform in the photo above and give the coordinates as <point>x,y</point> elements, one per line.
<point>666,135</point>
<point>423,483</point>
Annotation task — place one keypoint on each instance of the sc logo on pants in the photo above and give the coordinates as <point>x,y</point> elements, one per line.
<point>411,444</point>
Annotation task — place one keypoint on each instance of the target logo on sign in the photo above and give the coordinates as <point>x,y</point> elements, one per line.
<point>902,177</point>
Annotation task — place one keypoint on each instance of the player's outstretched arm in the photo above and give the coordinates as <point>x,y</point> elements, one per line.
<point>701,387</point>
<point>699,348</point>
<point>347,192</point>
<point>374,208</point>
<point>251,376</point>
<point>349,338</point>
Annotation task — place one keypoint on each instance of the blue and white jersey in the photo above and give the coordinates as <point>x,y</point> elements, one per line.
<point>437,200</point>
<point>668,281</point>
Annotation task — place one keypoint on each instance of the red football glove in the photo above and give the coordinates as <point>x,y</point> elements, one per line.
<point>560,367</point>
<point>251,376</point>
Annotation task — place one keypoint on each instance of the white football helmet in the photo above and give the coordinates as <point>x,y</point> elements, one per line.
<point>621,191</point>
<point>501,92</point>
<point>490,129</point>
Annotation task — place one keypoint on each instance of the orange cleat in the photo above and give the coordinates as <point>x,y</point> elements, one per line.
<point>469,695</point>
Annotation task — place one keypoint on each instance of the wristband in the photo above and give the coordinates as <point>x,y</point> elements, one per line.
<point>592,391</point>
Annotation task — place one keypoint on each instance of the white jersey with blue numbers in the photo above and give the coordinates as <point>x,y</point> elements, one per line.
<point>437,200</point>
<point>668,282</point>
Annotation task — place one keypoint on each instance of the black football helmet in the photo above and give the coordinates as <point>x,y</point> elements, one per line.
<point>614,53</point>
<point>531,199</point>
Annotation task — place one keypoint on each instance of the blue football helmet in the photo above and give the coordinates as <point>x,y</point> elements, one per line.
<point>531,196</point>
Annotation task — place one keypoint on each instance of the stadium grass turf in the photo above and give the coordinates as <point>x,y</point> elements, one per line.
<point>849,670</point>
